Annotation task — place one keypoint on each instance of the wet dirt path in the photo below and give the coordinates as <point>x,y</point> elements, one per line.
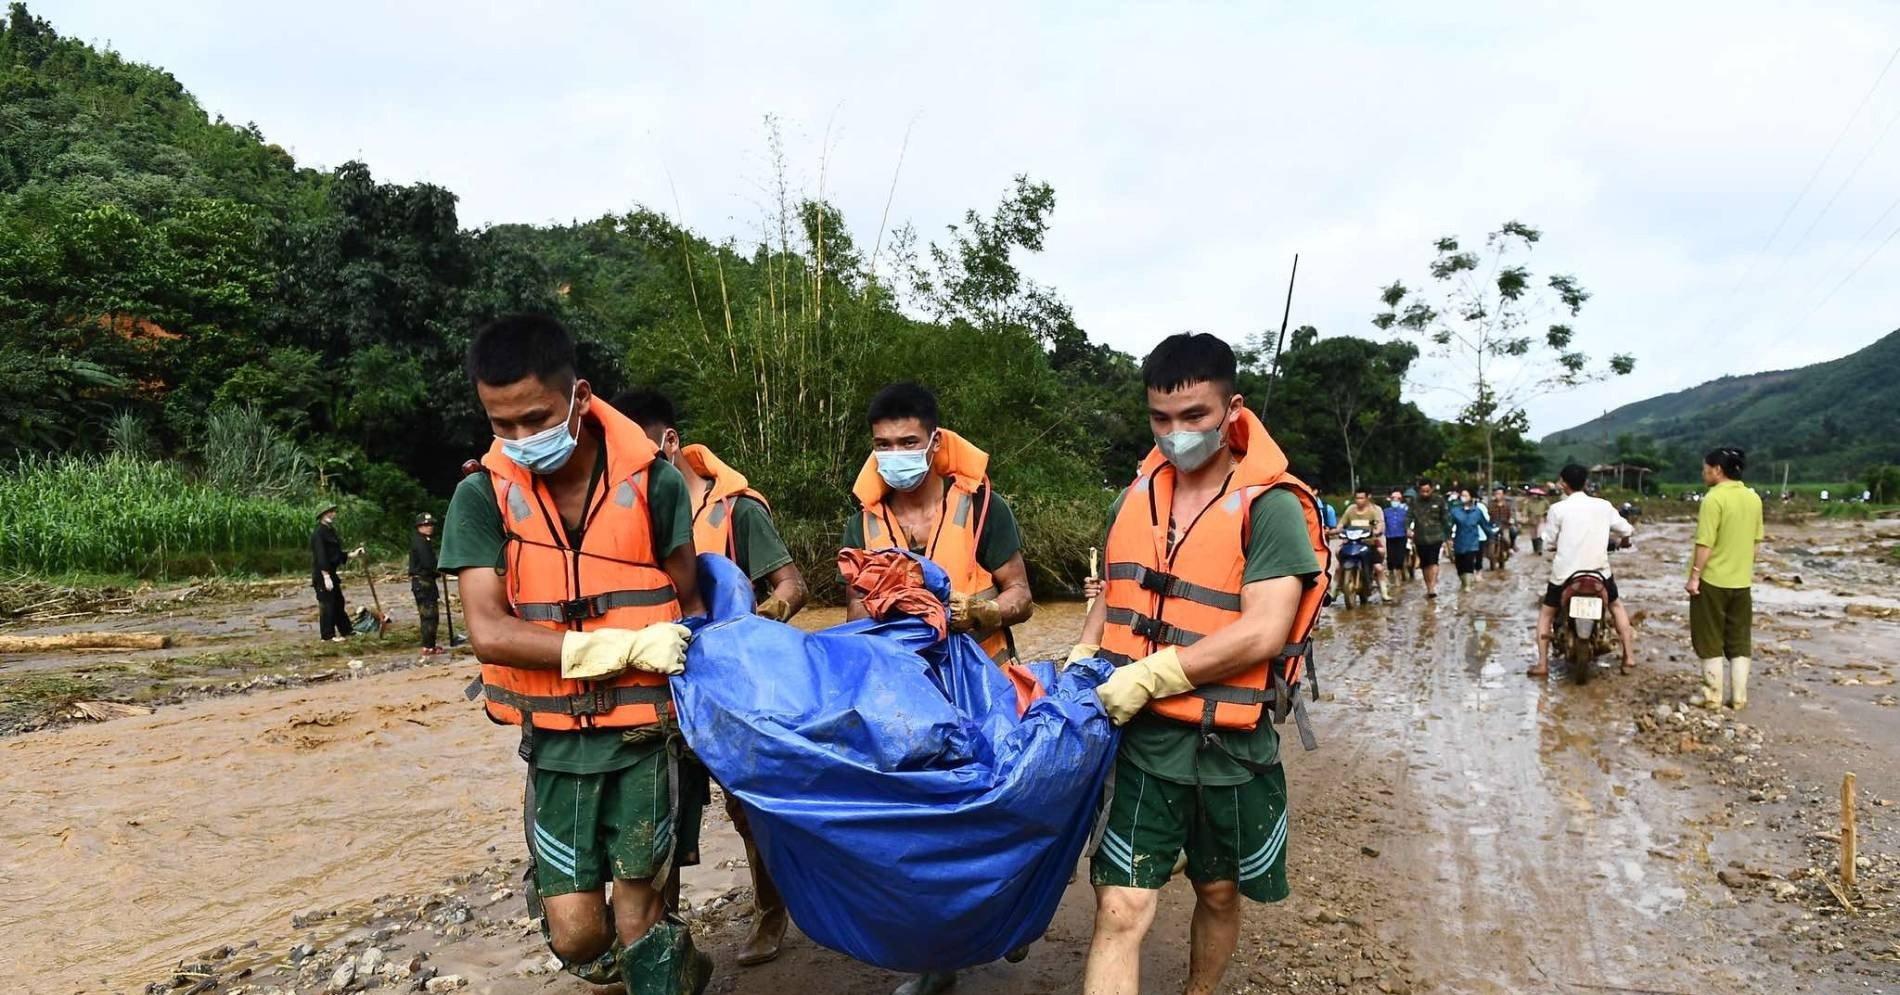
<point>1462,829</point>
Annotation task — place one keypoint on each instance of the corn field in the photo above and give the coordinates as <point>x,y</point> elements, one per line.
<point>121,515</point>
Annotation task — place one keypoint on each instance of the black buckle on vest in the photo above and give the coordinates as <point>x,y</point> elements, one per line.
<point>598,701</point>
<point>1154,581</point>
<point>586,606</point>
<point>1151,629</point>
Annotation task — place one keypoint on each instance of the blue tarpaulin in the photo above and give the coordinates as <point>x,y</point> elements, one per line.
<point>910,816</point>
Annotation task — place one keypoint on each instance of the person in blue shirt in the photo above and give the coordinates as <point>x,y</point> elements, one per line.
<point>1328,518</point>
<point>1398,533</point>
<point>1470,527</point>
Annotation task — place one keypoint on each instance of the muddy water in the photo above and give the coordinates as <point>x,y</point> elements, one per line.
<point>131,844</point>
<point>1526,831</point>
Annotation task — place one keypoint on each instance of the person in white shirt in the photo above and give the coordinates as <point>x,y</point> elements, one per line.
<point>1577,531</point>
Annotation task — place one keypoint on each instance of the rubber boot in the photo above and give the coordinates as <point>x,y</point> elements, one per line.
<point>664,962</point>
<point>1712,682</point>
<point>768,916</point>
<point>1738,681</point>
<point>928,984</point>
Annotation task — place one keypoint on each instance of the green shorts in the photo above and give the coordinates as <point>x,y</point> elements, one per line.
<point>1719,622</point>
<point>1230,832</point>
<point>592,828</point>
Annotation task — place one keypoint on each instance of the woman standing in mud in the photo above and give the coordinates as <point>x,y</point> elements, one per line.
<point>1728,533</point>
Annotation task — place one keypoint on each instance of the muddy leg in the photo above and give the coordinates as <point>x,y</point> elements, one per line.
<point>1625,633</point>
<point>578,930</point>
<point>1122,918</point>
<point>1546,617</point>
<point>1213,935</point>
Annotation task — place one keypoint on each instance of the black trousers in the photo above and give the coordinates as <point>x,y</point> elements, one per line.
<point>332,620</point>
<point>428,601</point>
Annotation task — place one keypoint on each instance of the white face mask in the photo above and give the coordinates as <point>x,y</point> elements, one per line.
<point>545,451</point>
<point>903,469</point>
<point>1189,450</point>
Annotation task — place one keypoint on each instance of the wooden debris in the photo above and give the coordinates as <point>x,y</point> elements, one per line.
<point>85,640</point>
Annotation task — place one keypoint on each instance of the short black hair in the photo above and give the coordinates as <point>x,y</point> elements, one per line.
<point>904,399</point>
<point>1728,459</point>
<point>521,345</point>
<point>1575,475</point>
<point>646,407</point>
<point>1187,358</point>
<point>1427,482</point>
<point>1360,491</point>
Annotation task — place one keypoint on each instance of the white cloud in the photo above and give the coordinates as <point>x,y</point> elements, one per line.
<point>1193,148</point>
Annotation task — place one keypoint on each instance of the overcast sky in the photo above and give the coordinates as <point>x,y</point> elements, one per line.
<point>1193,148</point>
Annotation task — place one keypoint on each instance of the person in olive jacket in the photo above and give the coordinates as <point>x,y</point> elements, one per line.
<point>422,580</point>
<point>326,558</point>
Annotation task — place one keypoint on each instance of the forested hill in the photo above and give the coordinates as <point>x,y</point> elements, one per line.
<point>1831,420</point>
<point>176,288</point>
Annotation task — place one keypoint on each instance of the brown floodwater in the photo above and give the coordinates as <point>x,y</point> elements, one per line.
<point>131,844</point>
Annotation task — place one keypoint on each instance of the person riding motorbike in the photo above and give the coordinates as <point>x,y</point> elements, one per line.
<point>1577,531</point>
<point>1363,514</point>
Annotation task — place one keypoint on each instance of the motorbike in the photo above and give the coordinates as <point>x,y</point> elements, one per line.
<point>1583,632</point>
<point>1356,558</point>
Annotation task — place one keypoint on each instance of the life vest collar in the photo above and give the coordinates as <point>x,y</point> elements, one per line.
<point>726,481</point>
<point>957,459</point>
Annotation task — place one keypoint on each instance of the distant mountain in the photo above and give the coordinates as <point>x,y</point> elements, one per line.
<point>1830,420</point>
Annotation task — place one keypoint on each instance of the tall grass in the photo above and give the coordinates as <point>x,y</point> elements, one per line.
<point>118,514</point>
<point>245,454</point>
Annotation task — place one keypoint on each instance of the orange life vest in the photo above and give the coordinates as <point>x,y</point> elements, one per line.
<point>712,516</point>
<point>965,470</point>
<point>1160,597</point>
<point>612,582</point>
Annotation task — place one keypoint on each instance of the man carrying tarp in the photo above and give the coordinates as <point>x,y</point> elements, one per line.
<point>1214,579</point>
<point>576,560</point>
<point>732,519</point>
<point>927,489</point>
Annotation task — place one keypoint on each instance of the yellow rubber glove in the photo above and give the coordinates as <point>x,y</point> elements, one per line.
<point>1131,688</point>
<point>774,608</point>
<point>969,614</point>
<point>590,656</point>
<point>1082,651</point>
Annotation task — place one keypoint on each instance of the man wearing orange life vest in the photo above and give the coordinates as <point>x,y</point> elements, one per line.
<point>927,489</point>
<point>732,519</point>
<point>1213,580</point>
<point>575,555</point>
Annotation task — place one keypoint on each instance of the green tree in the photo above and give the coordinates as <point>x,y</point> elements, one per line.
<point>1508,336</point>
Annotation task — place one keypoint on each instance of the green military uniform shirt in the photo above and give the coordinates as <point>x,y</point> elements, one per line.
<point>1277,546</point>
<point>473,536</point>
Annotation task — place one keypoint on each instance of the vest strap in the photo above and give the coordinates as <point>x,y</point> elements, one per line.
<point>591,606</point>
<point>1153,629</point>
<point>599,701</point>
<point>1169,586</point>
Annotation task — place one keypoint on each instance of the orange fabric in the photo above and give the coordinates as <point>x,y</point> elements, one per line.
<point>712,515</point>
<point>616,555</point>
<point>1028,689</point>
<point>889,583</point>
<point>965,470</point>
<point>1211,554</point>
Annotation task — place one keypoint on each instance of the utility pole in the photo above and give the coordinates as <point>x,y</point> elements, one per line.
<point>1273,372</point>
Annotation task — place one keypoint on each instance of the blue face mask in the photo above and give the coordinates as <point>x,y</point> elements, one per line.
<point>545,451</point>
<point>1188,450</point>
<point>903,469</point>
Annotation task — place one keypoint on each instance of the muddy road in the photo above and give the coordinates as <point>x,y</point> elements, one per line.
<point>1461,829</point>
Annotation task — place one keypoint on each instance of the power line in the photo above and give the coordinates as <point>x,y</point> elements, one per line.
<point>1847,125</point>
<point>1869,257</point>
<point>1864,156</point>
